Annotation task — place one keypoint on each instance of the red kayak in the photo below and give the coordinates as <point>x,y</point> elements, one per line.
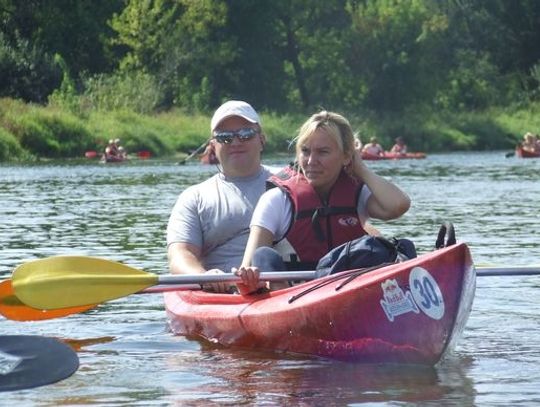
<point>393,156</point>
<point>520,152</point>
<point>109,158</point>
<point>409,312</point>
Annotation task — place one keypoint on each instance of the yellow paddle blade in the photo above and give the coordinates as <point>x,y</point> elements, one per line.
<point>13,308</point>
<point>70,281</point>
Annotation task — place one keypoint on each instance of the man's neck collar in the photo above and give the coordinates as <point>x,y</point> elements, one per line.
<point>243,177</point>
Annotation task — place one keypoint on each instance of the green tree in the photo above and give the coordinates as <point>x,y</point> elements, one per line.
<point>74,29</point>
<point>315,42</point>
<point>398,55</point>
<point>27,71</point>
<point>177,42</point>
<point>503,33</point>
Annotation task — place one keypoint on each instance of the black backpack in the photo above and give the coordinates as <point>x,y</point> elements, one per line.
<point>366,251</point>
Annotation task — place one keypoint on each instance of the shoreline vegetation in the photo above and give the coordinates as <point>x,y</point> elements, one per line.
<point>445,76</point>
<point>31,132</point>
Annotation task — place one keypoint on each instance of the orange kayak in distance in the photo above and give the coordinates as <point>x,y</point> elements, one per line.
<point>394,156</point>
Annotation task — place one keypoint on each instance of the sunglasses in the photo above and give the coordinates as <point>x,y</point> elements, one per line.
<point>226,137</point>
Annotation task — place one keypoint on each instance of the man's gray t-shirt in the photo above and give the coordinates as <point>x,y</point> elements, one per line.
<point>215,215</point>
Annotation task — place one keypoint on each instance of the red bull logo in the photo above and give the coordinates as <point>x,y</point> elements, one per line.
<point>396,302</point>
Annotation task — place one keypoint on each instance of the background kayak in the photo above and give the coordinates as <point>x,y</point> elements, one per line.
<point>394,156</point>
<point>526,154</point>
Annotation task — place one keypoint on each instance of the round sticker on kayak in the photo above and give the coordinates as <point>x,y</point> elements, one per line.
<point>426,293</point>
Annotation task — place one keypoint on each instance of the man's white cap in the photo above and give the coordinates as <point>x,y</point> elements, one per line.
<point>234,108</point>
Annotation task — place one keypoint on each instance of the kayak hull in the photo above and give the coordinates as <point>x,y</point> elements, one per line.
<point>112,159</point>
<point>520,152</point>
<point>393,156</point>
<point>409,312</point>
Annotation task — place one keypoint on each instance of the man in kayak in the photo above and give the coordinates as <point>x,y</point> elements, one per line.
<point>209,224</point>
<point>373,147</point>
<point>319,204</point>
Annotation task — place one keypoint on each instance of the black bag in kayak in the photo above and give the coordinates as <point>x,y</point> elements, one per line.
<point>366,251</point>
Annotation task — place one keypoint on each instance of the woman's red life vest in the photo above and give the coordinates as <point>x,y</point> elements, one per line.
<point>317,227</point>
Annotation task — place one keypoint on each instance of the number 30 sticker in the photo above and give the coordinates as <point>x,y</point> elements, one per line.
<point>426,293</point>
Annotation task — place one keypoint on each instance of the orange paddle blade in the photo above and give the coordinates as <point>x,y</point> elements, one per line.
<point>12,308</point>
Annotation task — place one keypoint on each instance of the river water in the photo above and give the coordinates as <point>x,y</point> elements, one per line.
<point>128,357</point>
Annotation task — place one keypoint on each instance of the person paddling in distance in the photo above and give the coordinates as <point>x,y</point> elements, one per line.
<point>373,147</point>
<point>529,143</point>
<point>209,225</point>
<point>400,147</point>
<point>322,202</point>
<point>112,149</point>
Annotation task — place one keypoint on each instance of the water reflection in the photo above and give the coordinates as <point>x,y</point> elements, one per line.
<point>277,379</point>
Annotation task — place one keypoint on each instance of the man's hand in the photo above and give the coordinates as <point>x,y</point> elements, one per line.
<point>216,287</point>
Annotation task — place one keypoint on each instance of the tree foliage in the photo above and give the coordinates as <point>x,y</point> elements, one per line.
<point>380,57</point>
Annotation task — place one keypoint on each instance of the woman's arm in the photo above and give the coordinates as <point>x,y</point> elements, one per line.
<point>387,201</point>
<point>258,236</point>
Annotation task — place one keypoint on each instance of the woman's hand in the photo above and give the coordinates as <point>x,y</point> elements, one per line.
<point>250,280</point>
<point>216,287</point>
<point>356,166</point>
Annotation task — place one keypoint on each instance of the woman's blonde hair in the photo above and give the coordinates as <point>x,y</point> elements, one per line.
<point>337,126</point>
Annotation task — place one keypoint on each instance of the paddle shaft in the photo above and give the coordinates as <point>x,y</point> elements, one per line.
<point>232,278</point>
<point>69,281</point>
<point>164,280</point>
<point>507,271</point>
<point>194,153</point>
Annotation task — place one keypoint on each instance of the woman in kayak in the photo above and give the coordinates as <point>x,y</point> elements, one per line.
<point>400,147</point>
<point>529,143</point>
<point>322,201</point>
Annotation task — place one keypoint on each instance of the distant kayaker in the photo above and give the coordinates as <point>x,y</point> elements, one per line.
<point>209,155</point>
<point>529,143</point>
<point>400,147</point>
<point>114,151</point>
<point>319,204</point>
<point>111,149</point>
<point>373,147</point>
<point>209,224</point>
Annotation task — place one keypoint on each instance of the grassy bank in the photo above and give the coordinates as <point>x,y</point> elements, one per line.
<point>30,132</point>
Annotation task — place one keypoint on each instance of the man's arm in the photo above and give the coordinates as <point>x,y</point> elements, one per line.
<point>184,258</point>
